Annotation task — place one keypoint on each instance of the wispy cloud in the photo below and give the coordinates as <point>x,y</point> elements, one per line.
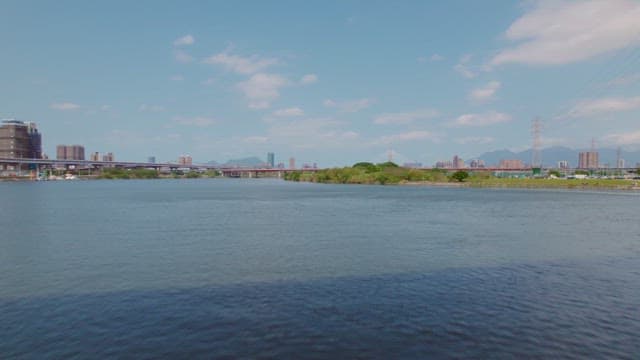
<point>198,121</point>
<point>349,106</point>
<point>562,32</point>
<point>464,68</point>
<point>432,58</point>
<point>289,112</point>
<point>176,78</point>
<point>625,80</point>
<point>405,117</point>
<point>150,108</point>
<point>261,89</point>
<point>407,136</point>
<point>312,133</point>
<point>208,82</point>
<point>485,119</point>
<point>241,65</point>
<point>64,106</point>
<point>184,41</point>
<point>477,140</point>
<point>485,93</point>
<point>630,138</point>
<point>255,139</point>
<point>588,108</point>
<point>182,56</point>
<point>309,79</point>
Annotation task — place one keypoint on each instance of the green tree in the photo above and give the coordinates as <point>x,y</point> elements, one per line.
<point>388,164</point>
<point>367,167</point>
<point>460,175</point>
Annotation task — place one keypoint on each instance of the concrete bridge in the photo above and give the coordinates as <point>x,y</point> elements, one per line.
<point>18,165</point>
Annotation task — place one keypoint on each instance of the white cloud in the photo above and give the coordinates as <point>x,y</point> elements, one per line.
<point>407,136</point>
<point>562,32</point>
<point>486,119</point>
<point>185,40</point>
<point>176,78</point>
<point>261,89</point>
<point>150,108</point>
<point>64,106</point>
<point>239,64</point>
<point>405,117</point>
<point>479,140</point>
<point>183,57</point>
<point>485,93</point>
<point>631,138</point>
<point>625,80</point>
<point>309,79</point>
<point>289,112</point>
<point>105,107</point>
<point>199,121</point>
<point>349,106</point>
<point>595,107</point>
<point>463,68</point>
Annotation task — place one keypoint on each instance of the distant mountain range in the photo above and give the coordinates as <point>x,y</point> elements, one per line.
<point>551,156</point>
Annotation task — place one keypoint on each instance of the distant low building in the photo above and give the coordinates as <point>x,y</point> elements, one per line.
<point>292,163</point>
<point>476,164</point>
<point>95,156</point>
<point>511,164</point>
<point>563,164</point>
<point>448,164</point>
<point>151,159</point>
<point>108,157</point>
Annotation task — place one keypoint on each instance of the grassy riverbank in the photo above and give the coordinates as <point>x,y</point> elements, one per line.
<point>391,174</point>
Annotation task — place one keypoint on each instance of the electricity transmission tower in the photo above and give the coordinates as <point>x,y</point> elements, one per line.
<point>536,156</point>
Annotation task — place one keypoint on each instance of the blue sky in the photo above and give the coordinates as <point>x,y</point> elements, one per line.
<point>332,82</point>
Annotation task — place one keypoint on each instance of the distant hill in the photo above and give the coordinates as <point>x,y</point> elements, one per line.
<point>252,161</point>
<point>551,156</point>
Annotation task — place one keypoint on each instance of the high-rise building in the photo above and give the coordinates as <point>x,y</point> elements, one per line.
<point>511,164</point>
<point>70,152</point>
<point>588,160</point>
<point>185,160</point>
<point>620,164</point>
<point>292,163</point>
<point>20,139</point>
<point>458,163</point>
<point>108,157</point>
<point>271,160</point>
<point>95,156</point>
<point>476,163</point>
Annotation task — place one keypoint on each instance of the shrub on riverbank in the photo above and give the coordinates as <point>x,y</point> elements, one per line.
<point>368,173</point>
<point>117,173</point>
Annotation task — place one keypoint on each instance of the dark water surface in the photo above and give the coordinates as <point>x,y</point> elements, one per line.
<point>270,269</point>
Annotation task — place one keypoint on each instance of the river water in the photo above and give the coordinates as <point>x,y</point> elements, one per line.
<point>273,269</point>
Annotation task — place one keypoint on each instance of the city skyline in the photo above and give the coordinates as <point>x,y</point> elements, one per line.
<point>332,83</point>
